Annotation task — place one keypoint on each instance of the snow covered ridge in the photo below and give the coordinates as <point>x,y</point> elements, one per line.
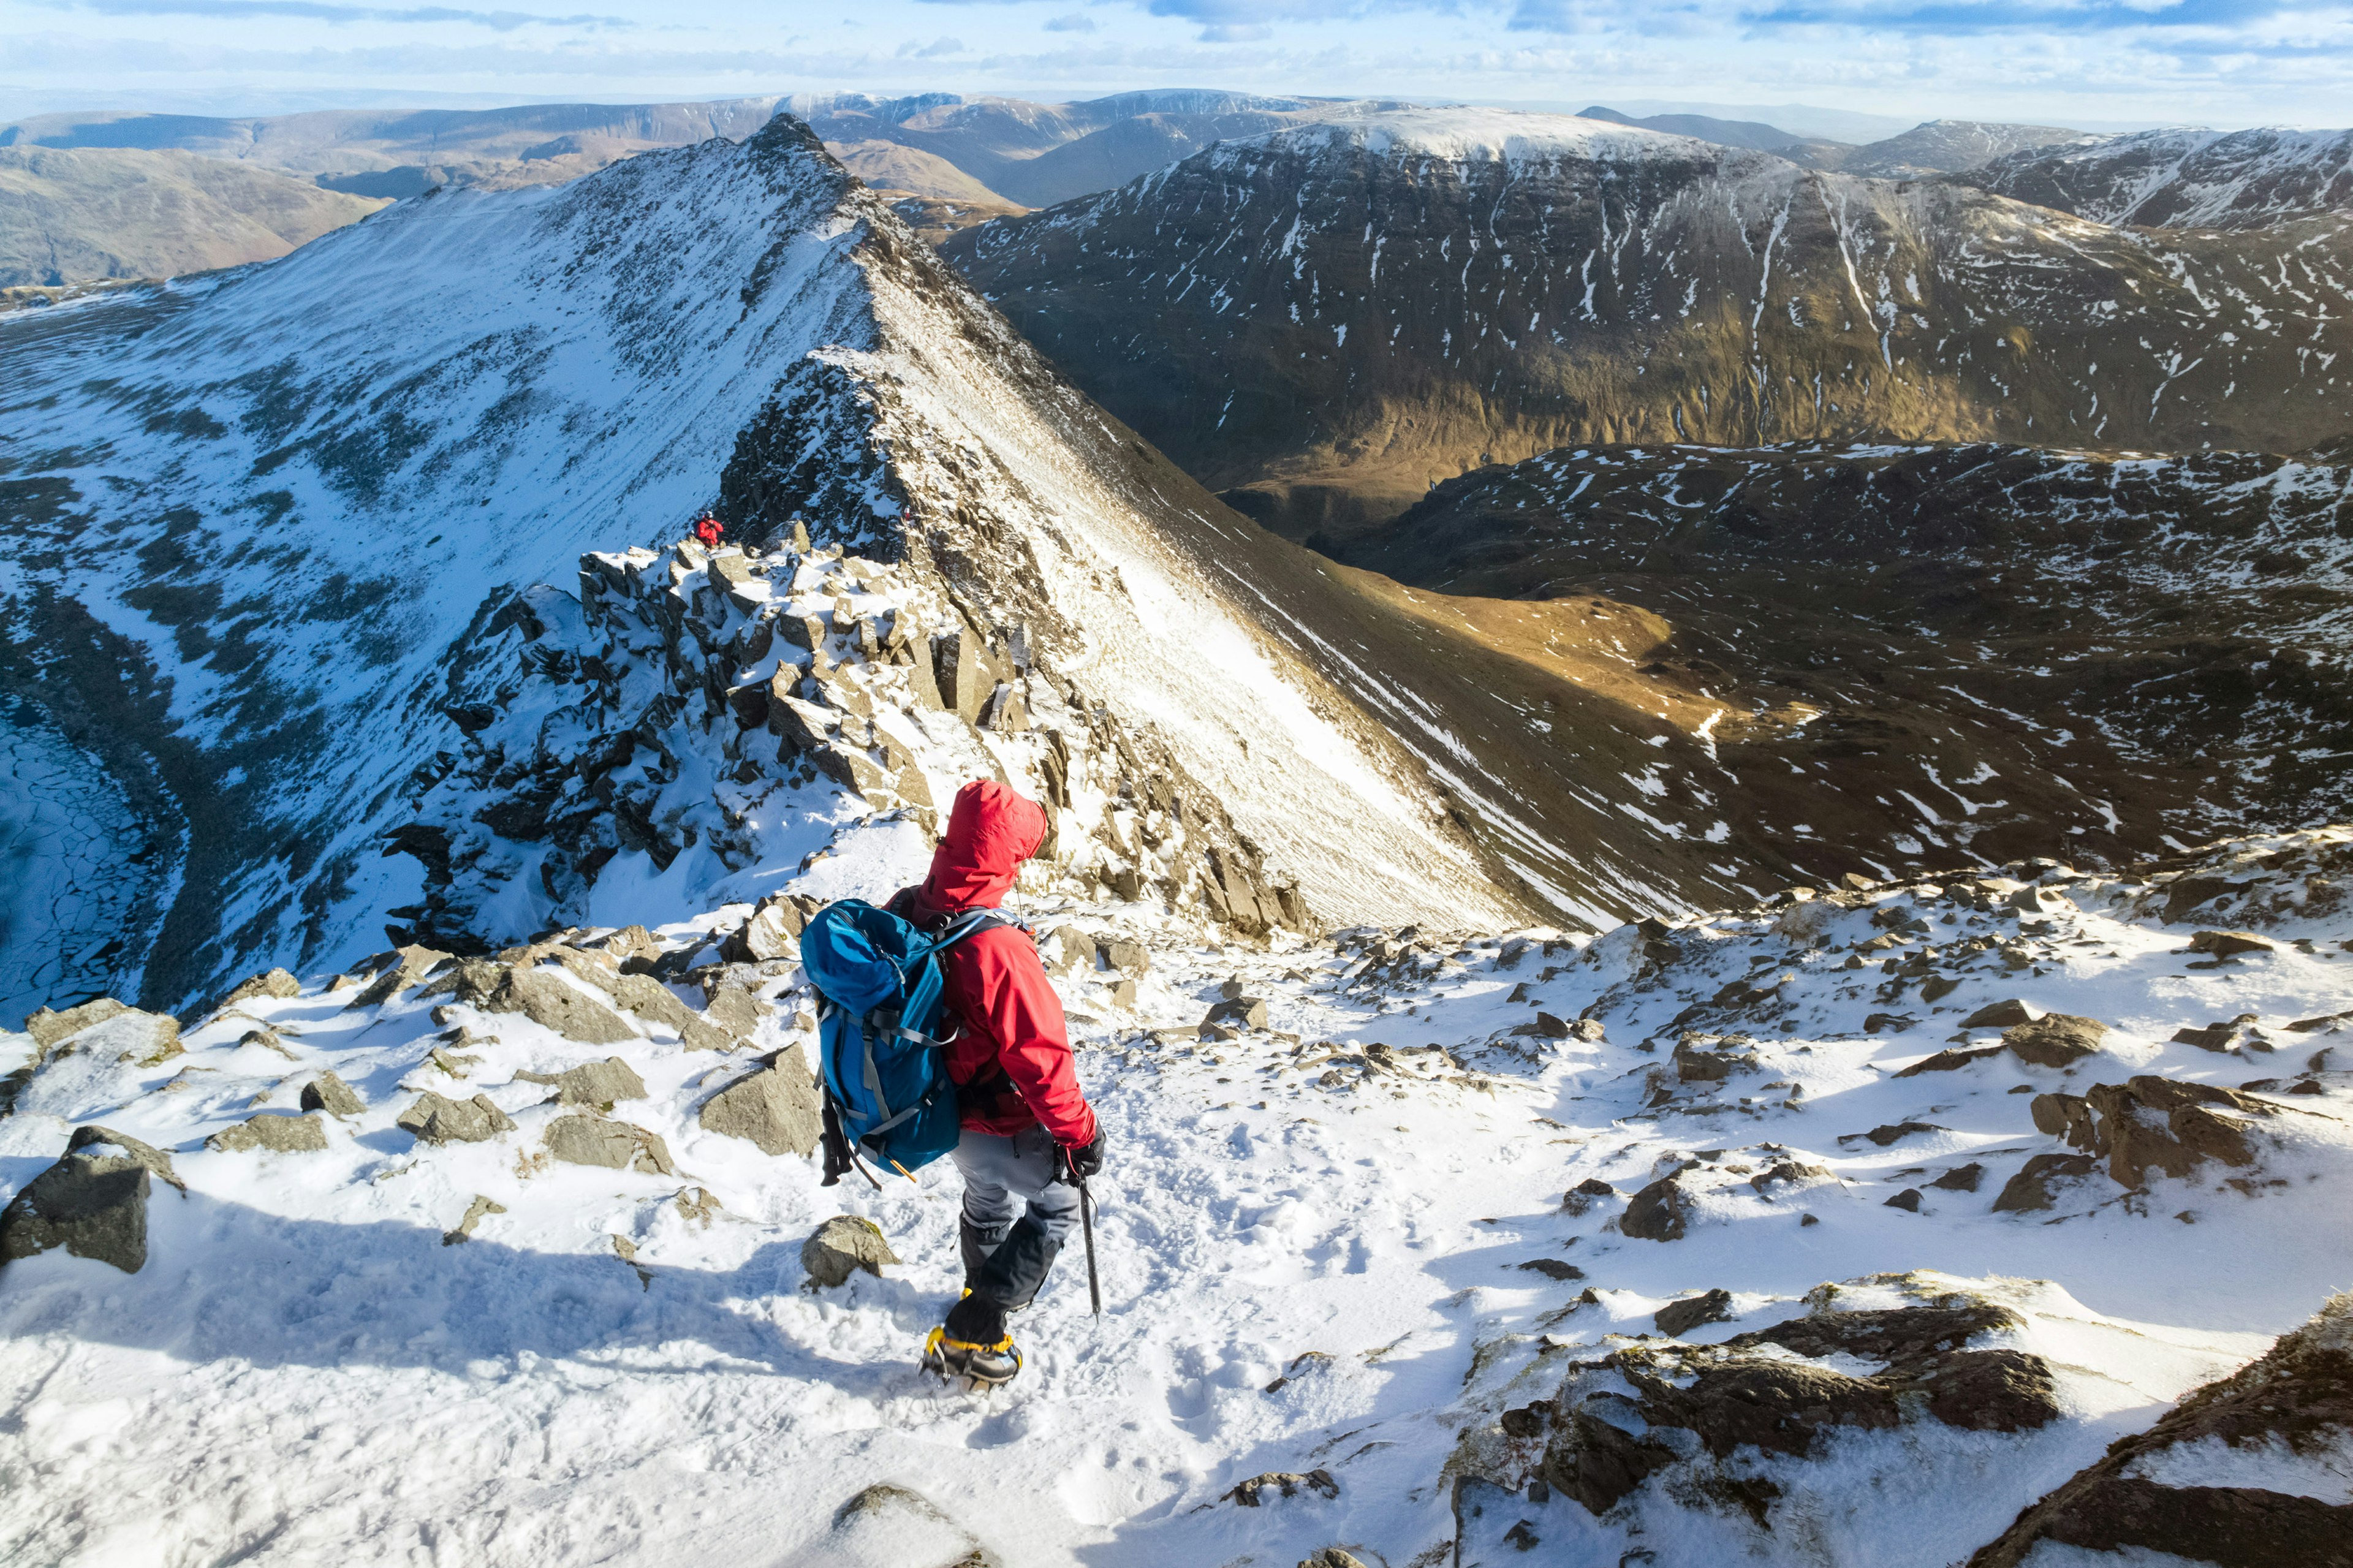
<point>1477,135</point>
<point>2184,179</point>
<point>1698,1239</point>
<point>263,519</point>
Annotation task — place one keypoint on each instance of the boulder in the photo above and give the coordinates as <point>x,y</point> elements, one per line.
<point>49,1027</point>
<point>2055,1039</point>
<point>92,1203</point>
<point>1960,1179</point>
<point>592,1083</point>
<point>1677,1319</point>
<point>2228,943</point>
<point>1551,1026</point>
<point>776,1109</point>
<point>2030,1190</point>
<point>551,1003</point>
<point>1590,1030</point>
<point>841,1247</point>
<point>889,1526</point>
<point>1658,1212</point>
<point>408,967</point>
<point>433,1119</point>
<point>1253,1492</point>
<point>142,1039</point>
<point>1238,1012</point>
<point>2002,1014</point>
<point>733,1009</point>
<point>1332,1557</point>
<point>1130,958</point>
<point>2151,1124</point>
<point>280,1134</point>
<point>333,1095</point>
<point>614,1145</point>
<point>773,930</point>
<point>1909,1200</point>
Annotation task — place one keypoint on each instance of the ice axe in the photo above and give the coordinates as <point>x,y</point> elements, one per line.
<point>1086,1227</point>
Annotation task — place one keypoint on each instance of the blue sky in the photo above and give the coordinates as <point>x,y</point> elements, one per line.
<point>2070,62</point>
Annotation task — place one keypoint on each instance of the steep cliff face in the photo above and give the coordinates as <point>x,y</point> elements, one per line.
<point>1323,322</point>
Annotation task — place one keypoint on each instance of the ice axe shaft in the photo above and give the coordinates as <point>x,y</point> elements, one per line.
<point>1087,1228</point>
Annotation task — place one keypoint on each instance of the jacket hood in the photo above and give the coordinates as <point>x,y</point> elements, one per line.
<point>991,830</point>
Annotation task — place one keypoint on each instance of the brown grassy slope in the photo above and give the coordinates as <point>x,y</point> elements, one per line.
<point>74,216</point>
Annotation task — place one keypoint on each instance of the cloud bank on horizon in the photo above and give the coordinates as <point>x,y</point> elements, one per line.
<point>2087,62</point>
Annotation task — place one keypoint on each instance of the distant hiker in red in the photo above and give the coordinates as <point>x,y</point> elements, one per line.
<point>1025,1120</point>
<point>707,529</point>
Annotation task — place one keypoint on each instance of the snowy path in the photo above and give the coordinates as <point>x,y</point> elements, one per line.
<point>304,1372</point>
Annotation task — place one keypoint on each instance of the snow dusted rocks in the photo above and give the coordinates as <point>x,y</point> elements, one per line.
<point>92,1202</point>
<point>2246,1472</point>
<point>775,1107</point>
<point>280,1134</point>
<point>616,1145</point>
<point>435,1118</point>
<point>841,1247</point>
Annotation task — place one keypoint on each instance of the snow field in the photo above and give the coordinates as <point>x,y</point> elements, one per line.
<point>304,1369</point>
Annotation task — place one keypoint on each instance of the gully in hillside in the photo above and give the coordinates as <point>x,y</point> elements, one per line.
<point>1028,1136</point>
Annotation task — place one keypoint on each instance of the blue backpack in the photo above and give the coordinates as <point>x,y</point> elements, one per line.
<point>887,1092</point>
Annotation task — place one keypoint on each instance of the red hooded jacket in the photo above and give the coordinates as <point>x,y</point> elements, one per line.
<point>1011,1060</point>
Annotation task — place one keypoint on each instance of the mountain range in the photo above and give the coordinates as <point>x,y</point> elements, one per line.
<point>1322,323</point>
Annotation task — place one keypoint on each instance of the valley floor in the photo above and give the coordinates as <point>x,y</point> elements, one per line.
<point>1316,1254</point>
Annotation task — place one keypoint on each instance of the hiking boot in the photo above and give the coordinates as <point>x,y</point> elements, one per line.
<point>973,1345</point>
<point>981,1366</point>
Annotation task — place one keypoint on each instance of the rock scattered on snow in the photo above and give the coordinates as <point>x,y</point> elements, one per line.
<point>891,1526</point>
<point>1332,1557</point>
<point>601,1083</point>
<point>2228,943</point>
<point>474,1212</point>
<point>404,967</point>
<point>92,1203</point>
<point>1677,1319</point>
<point>436,1119</point>
<point>276,985</point>
<point>280,1134</point>
<point>2030,1190</point>
<point>1251,1493</point>
<point>841,1247</point>
<point>616,1145</point>
<point>331,1094</point>
<point>2153,1123</point>
<point>776,1108</point>
<point>1657,1213</point>
<point>2055,1039</point>
<point>48,1027</point>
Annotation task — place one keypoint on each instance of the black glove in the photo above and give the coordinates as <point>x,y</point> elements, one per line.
<point>1087,1160</point>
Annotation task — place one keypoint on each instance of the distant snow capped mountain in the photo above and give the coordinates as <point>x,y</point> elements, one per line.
<point>1325,321</point>
<point>2185,179</point>
<point>1941,146</point>
<point>264,528</point>
<point>1039,154</point>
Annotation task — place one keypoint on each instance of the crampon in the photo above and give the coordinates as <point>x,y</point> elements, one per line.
<point>976,1367</point>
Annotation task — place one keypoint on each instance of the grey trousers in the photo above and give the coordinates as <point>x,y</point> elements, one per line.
<point>1016,1215</point>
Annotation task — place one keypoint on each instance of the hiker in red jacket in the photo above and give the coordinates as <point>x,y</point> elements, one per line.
<point>707,530</point>
<point>1025,1121</point>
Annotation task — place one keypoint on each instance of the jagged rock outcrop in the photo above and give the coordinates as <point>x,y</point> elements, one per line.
<point>2246,1472</point>
<point>776,1108</point>
<point>2155,1124</point>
